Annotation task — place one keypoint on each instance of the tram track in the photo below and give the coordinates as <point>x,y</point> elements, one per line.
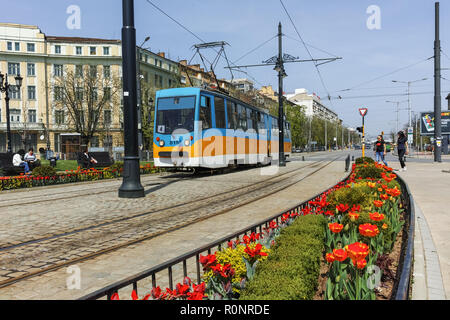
<point>173,218</point>
<point>147,212</point>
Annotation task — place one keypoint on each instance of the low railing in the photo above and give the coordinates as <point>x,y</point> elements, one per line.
<point>133,280</point>
<point>405,266</point>
<point>407,258</point>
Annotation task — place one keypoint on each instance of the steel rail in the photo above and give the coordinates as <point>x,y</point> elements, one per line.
<point>131,242</point>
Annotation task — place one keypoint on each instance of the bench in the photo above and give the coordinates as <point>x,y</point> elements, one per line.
<point>103,160</point>
<point>6,165</point>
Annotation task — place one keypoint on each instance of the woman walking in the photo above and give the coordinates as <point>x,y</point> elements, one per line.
<point>402,148</point>
<point>380,150</point>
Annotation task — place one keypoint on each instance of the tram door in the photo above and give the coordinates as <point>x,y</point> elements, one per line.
<point>207,135</point>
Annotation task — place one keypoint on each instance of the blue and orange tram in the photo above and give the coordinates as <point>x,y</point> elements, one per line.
<point>200,128</point>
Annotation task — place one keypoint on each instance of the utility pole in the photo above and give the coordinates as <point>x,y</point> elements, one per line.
<point>278,61</point>
<point>281,74</point>
<point>131,186</point>
<point>437,89</point>
<point>326,137</point>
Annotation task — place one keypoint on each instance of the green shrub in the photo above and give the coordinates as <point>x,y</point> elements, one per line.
<point>357,195</point>
<point>364,159</point>
<point>292,269</point>
<point>365,171</point>
<point>44,171</point>
<point>117,166</point>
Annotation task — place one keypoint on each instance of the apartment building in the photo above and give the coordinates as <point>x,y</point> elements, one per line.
<point>37,117</point>
<point>313,105</point>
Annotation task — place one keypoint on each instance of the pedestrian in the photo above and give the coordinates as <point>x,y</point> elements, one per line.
<point>87,160</point>
<point>380,150</point>
<point>31,159</point>
<point>402,148</point>
<point>18,162</point>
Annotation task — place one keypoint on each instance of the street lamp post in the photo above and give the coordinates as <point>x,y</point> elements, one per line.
<point>131,186</point>
<point>408,93</point>
<point>5,87</point>
<point>139,94</point>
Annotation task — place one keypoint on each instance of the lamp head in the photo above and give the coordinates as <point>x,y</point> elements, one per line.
<point>19,80</point>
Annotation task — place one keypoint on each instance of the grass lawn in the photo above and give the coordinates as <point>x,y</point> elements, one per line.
<point>63,165</point>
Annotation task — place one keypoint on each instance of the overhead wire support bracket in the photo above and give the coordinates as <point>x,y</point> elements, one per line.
<point>272,62</point>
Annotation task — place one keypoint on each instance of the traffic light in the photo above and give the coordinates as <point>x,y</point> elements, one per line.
<point>360,129</point>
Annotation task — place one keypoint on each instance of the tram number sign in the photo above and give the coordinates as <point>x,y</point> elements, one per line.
<point>363,112</point>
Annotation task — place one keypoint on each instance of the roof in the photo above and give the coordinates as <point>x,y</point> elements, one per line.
<point>81,40</point>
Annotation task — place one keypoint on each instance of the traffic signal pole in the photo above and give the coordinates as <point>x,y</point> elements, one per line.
<point>363,139</point>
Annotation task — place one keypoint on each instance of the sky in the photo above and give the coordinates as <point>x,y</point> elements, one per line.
<point>400,47</point>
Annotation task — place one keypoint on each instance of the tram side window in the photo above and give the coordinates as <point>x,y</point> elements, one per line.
<point>249,118</point>
<point>232,115</point>
<point>219,105</point>
<point>242,118</point>
<point>205,112</point>
<point>261,124</point>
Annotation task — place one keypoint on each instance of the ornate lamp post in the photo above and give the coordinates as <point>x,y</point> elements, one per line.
<point>5,87</point>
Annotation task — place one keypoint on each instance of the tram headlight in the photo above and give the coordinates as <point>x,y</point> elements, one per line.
<point>161,143</point>
<point>187,143</point>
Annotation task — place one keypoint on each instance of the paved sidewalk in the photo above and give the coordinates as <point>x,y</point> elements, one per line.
<point>429,183</point>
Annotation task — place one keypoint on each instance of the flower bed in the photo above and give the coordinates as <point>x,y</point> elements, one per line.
<point>79,175</point>
<point>350,235</point>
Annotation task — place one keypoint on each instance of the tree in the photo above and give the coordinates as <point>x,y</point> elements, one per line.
<point>84,94</point>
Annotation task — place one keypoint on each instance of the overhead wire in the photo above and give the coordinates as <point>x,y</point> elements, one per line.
<point>196,36</point>
<point>307,50</point>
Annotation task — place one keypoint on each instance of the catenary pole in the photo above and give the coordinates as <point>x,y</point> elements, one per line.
<point>437,89</point>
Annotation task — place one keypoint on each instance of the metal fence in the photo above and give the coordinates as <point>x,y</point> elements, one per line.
<point>169,265</point>
<point>405,266</point>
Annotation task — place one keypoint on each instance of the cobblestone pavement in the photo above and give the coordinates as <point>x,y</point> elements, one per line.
<point>60,232</point>
<point>113,266</point>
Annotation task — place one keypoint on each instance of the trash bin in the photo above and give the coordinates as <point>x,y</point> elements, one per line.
<point>53,162</point>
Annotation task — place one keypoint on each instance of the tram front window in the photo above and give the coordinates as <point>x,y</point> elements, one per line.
<point>175,113</point>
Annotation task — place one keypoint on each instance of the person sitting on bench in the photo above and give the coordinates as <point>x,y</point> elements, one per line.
<point>31,159</point>
<point>87,160</point>
<point>18,162</point>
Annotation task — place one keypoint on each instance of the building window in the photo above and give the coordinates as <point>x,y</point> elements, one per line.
<point>17,44</point>
<point>14,115</point>
<point>95,143</point>
<point>78,71</point>
<point>107,94</point>
<point>93,71</point>
<point>31,69</point>
<point>93,51</point>
<point>106,72</point>
<point>13,68</point>
<point>31,93</point>
<point>31,47</point>
<point>107,118</point>
<point>106,51</point>
<point>9,45</point>
<point>58,93</point>
<point>14,92</point>
<point>59,117</point>
<point>107,142</point>
<point>32,116</point>
<point>79,51</point>
<point>58,70</point>
<point>79,93</point>
<point>57,49</point>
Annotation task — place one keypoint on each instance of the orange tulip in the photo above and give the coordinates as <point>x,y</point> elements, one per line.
<point>335,227</point>
<point>368,230</point>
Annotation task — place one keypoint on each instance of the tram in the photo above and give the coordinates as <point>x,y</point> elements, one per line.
<point>202,128</point>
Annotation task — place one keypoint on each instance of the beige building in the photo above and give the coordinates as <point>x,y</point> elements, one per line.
<point>37,119</point>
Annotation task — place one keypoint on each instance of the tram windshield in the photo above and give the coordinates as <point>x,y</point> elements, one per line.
<point>175,113</point>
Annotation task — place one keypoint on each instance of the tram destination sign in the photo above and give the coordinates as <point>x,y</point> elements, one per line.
<point>427,123</point>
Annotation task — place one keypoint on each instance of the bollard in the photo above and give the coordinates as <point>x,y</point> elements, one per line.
<point>347,163</point>
<point>353,158</point>
<point>303,158</point>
